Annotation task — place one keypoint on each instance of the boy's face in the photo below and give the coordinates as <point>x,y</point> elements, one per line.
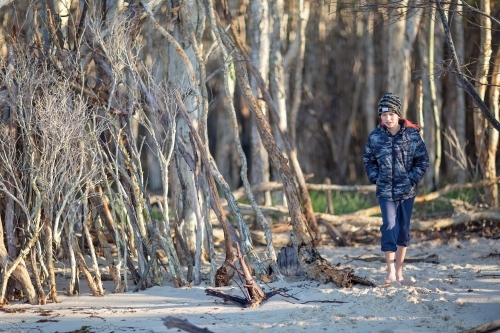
<point>389,119</point>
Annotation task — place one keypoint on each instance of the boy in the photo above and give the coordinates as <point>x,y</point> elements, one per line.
<point>395,159</point>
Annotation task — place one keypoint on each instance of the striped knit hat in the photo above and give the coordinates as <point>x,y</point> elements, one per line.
<point>390,103</point>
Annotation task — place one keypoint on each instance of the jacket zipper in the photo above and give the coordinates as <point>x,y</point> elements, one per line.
<point>393,164</point>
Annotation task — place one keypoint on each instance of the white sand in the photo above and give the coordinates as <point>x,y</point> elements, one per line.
<point>454,295</point>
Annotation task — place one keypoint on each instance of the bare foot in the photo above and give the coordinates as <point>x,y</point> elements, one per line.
<point>390,278</point>
<point>408,282</point>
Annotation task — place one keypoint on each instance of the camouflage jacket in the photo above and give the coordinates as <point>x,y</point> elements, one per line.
<point>396,163</point>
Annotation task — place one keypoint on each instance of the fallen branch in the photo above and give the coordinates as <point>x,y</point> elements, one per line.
<point>184,325</point>
<point>279,239</point>
<point>486,328</point>
<point>334,233</point>
<point>433,259</point>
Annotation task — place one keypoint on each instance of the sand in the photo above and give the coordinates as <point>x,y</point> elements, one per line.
<point>457,289</point>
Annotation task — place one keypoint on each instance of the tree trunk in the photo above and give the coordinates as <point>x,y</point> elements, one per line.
<point>260,49</point>
<point>402,33</point>
<point>277,87</point>
<point>52,294</point>
<point>491,192</point>
<point>427,122</point>
<point>304,10</point>
<point>369,102</point>
<point>17,269</point>
<point>433,98</point>
<point>486,153</point>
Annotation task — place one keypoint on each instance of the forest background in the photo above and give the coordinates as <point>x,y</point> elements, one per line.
<point>123,121</point>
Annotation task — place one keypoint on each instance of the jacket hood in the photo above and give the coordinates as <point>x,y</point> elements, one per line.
<point>406,123</point>
<point>410,124</point>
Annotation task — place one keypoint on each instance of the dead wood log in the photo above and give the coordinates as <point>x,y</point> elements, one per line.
<point>334,233</point>
<point>279,239</point>
<point>493,326</point>
<point>354,220</point>
<point>227,297</point>
<point>437,224</point>
<point>171,322</point>
<point>455,220</point>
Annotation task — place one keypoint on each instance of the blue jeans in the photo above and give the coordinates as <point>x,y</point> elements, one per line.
<point>395,223</point>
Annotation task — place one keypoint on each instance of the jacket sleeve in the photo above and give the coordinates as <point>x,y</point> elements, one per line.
<point>420,162</point>
<point>370,163</point>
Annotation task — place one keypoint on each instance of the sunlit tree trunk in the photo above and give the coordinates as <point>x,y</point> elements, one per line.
<point>260,49</point>
<point>433,98</point>
<point>303,12</point>
<point>427,120</point>
<point>402,32</point>
<point>369,102</point>
<point>276,79</point>
<point>62,8</point>
<point>180,77</point>
<point>493,134</point>
<point>483,144</point>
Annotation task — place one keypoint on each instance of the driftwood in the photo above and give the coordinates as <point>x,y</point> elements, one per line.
<point>493,326</point>
<point>289,266</point>
<point>171,322</point>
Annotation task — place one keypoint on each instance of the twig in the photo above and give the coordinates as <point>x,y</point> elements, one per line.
<point>317,301</point>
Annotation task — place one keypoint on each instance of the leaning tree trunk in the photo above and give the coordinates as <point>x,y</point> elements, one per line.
<point>454,109</point>
<point>311,261</point>
<point>19,273</point>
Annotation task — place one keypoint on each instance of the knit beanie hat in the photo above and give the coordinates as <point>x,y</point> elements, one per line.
<point>390,103</point>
